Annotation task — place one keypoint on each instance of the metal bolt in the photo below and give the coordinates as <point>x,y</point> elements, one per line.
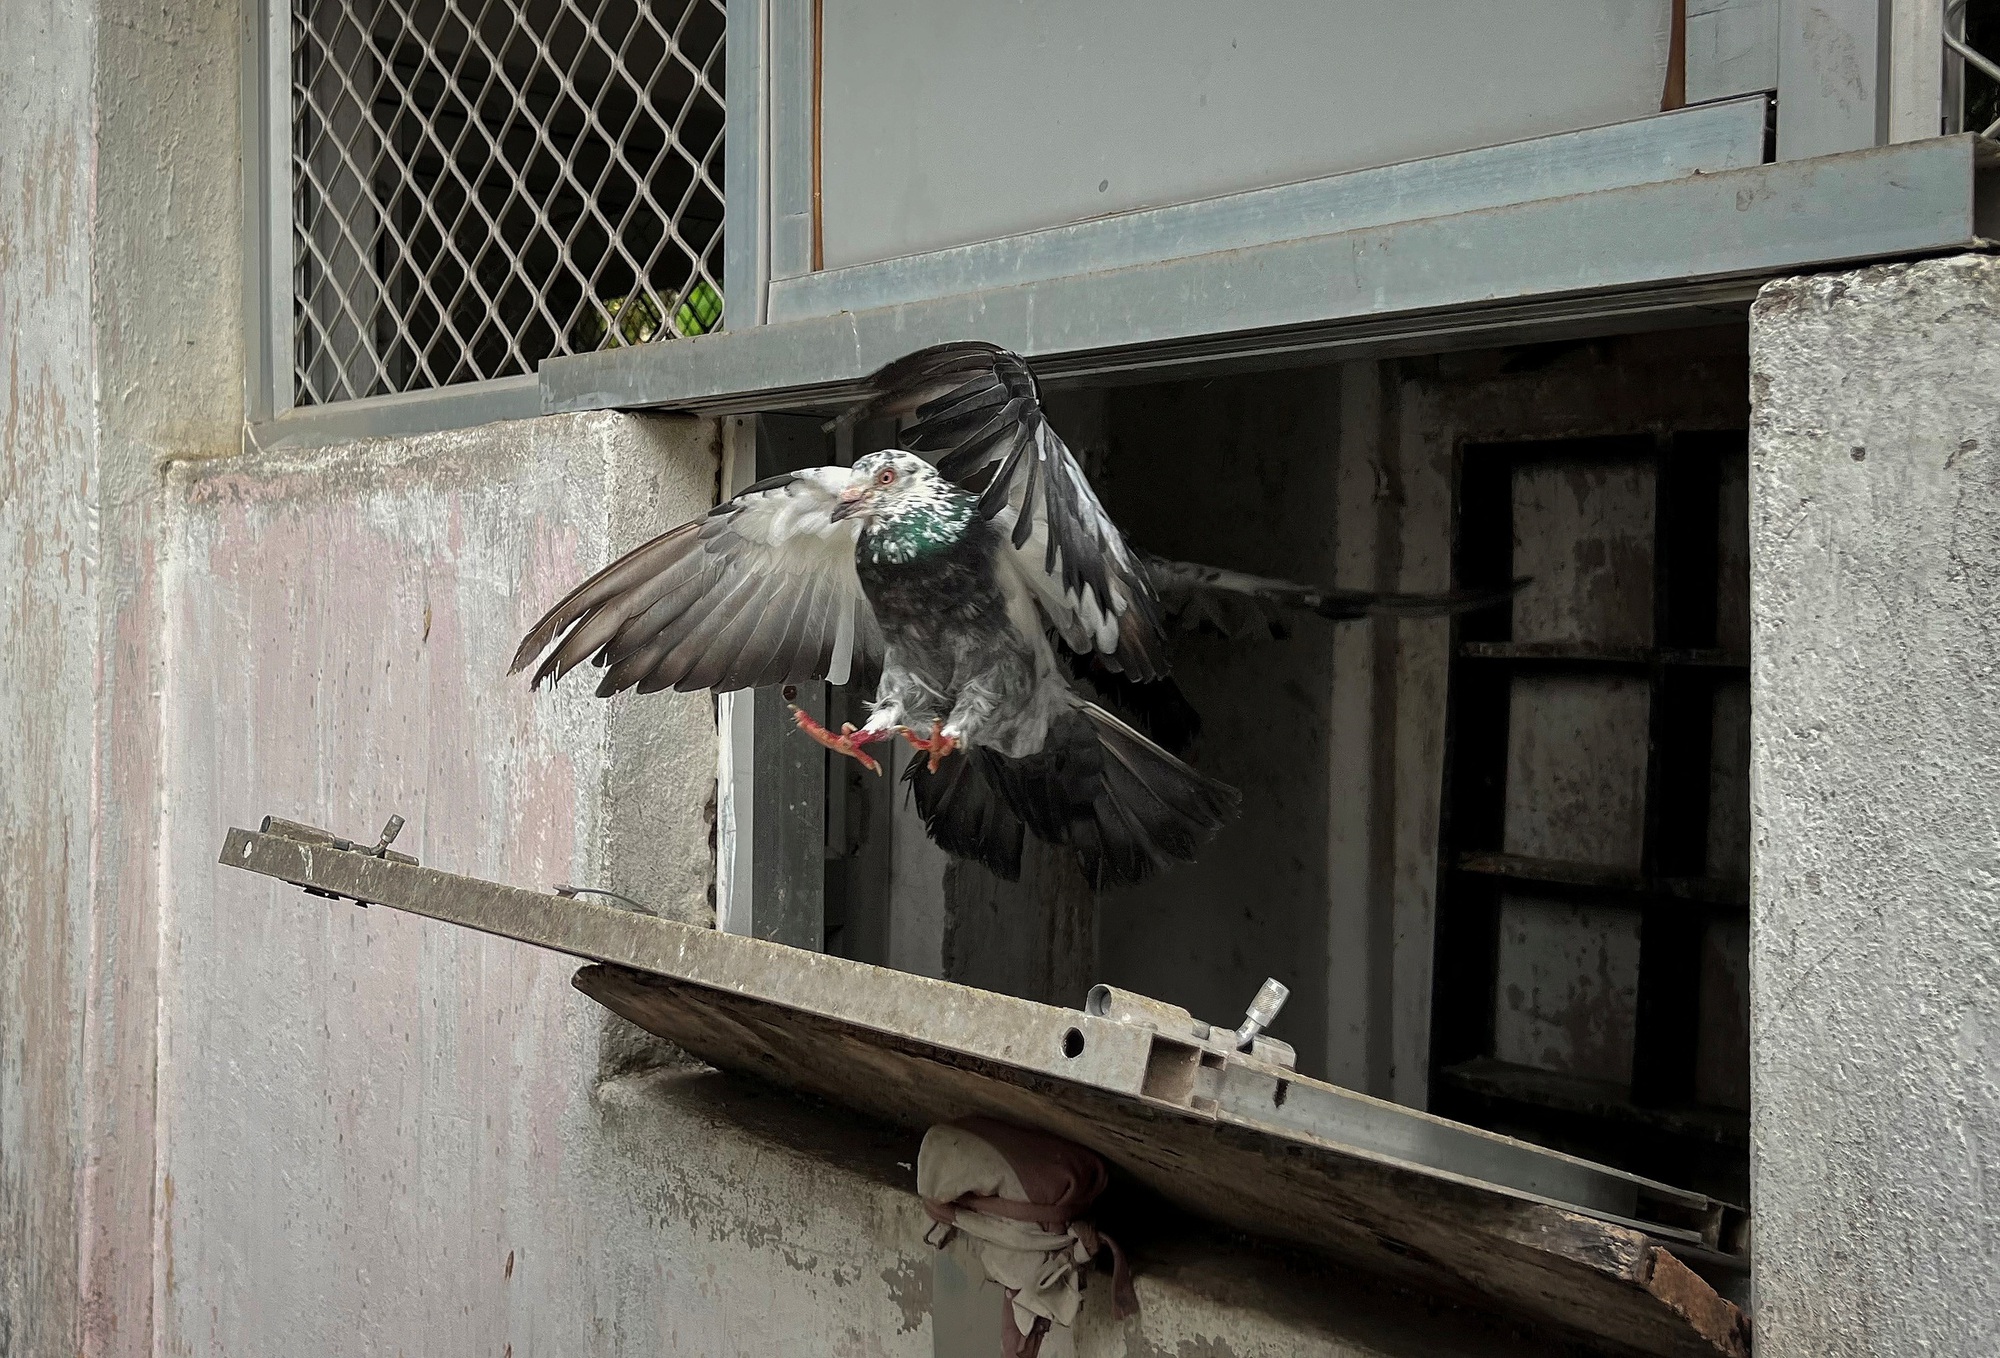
<point>1263,1012</point>
<point>393,828</point>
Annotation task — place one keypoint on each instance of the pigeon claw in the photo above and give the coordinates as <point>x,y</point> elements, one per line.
<point>849,742</point>
<point>937,745</point>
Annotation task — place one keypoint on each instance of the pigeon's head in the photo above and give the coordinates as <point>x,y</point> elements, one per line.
<point>892,484</point>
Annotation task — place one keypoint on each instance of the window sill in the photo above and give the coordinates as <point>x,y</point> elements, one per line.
<point>413,412</point>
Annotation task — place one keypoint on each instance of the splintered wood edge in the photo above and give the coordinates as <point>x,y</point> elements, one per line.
<point>1708,1313</point>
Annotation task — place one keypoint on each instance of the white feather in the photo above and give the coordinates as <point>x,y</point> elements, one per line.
<point>842,666</point>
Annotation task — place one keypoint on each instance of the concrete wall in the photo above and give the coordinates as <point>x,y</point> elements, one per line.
<point>47,475</point>
<point>387,1135</point>
<point>1875,1035</point>
<point>119,308</point>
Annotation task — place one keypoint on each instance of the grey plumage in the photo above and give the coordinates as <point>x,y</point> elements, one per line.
<point>889,567</point>
<point>982,590</point>
<point>1238,606</point>
<point>977,414</point>
<point>759,591</point>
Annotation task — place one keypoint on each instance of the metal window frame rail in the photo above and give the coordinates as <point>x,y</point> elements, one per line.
<point>1685,251</point>
<point>1928,58</point>
<point>1527,1229</point>
<point>1959,55</point>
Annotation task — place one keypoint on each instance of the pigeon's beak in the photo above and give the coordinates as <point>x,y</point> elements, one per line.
<point>852,501</point>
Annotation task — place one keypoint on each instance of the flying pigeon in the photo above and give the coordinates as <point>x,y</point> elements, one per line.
<point>974,575</point>
<point>958,598</point>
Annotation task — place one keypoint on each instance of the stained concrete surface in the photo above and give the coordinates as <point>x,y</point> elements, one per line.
<point>120,319</point>
<point>361,1116</point>
<point>1875,925</point>
<point>48,615</point>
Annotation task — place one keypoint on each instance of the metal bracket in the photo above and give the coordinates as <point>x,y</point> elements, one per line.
<point>1173,1022</point>
<point>319,839</point>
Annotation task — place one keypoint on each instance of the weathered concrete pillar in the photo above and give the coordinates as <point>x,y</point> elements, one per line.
<point>1875,935</point>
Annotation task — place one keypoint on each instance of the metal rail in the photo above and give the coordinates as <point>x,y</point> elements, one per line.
<point>1118,1053</point>
<point>1956,46</point>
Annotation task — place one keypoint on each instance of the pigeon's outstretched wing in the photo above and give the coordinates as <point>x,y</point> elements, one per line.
<point>761,590</point>
<point>979,419</point>
<point>1238,607</point>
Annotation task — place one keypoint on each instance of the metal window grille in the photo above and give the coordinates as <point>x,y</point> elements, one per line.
<point>480,184</point>
<point>1970,32</point>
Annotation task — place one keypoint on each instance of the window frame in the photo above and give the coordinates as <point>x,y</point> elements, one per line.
<point>272,418</point>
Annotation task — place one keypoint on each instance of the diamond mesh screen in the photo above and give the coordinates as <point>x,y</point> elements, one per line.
<point>480,184</point>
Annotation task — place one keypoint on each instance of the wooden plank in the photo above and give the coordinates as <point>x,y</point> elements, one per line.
<point>1531,1259</point>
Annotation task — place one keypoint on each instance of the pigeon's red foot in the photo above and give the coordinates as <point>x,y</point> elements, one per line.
<point>937,746</point>
<point>849,742</point>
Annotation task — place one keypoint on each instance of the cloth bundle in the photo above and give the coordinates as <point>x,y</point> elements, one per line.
<point>1018,1197</point>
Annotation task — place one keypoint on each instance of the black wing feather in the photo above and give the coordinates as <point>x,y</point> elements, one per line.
<point>978,417</point>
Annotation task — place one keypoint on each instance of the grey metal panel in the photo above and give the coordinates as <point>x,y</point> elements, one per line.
<point>1732,48</point>
<point>736,733</point>
<point>1832,76</point>
<point>1623,252</point>
<point>744,239</point>
<point>950,123</point>
<point>790,90</point>
<point>265,124</point>
<point>1716,137</point>
<point>1065,1044</point>
<point>1220,1134</point>
<point>788,839</point>
<point>265,127</point>
<point>412,412</point>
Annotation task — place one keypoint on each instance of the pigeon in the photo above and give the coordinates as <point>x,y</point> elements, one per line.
<point>1013,636</point>
<point>957,600</point>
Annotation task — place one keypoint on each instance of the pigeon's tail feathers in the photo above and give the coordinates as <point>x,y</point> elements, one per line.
<point>1125,805</point>
<point>1150,809</point>
<point>965,812</point>
<point>1159,710</point>
<point>1238,606</point>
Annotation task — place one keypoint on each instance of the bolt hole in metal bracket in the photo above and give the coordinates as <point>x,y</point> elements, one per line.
<point>1121,1043</point>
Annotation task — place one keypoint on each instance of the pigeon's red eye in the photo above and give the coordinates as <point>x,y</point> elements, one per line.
<point>886,476</point>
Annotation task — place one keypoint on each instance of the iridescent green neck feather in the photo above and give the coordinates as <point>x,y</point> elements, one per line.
<point>922,526</point>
